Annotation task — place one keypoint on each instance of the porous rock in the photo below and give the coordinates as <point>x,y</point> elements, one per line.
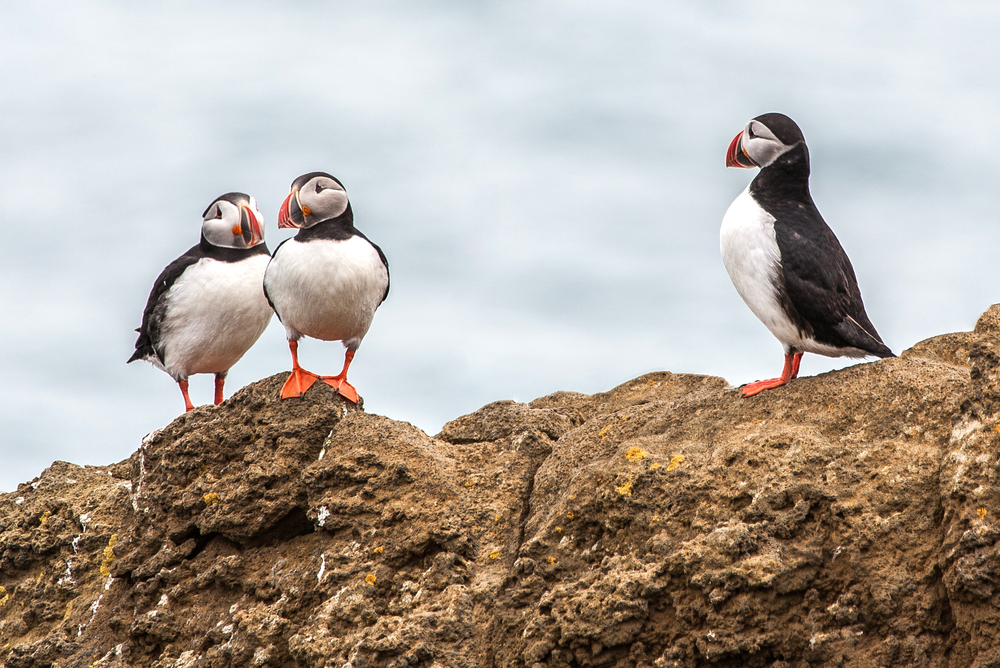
<point>848,519</point>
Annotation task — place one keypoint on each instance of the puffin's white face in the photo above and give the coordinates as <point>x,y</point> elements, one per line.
<point>314,198</point>
<point>756,146</point>
<point>233,221</point>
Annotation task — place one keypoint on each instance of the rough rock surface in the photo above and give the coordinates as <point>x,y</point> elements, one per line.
<point>849,519</point>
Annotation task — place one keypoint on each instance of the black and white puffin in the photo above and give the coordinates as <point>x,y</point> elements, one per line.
<point>207,308</point>
<point>327,280</point>
<point>784,260</point>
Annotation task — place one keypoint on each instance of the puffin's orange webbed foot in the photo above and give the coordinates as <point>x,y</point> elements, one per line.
<point>790,371</point>
<point>751,389</point>
<point>344,388</point>
<point>298,382</point>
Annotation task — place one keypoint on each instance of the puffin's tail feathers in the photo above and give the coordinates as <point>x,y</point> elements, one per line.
<point>865,338</point>
<point>144,350</point>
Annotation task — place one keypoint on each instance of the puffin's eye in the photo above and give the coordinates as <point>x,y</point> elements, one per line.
<point>750,132</point>
<point>319,187</point>
<point>218,212</point>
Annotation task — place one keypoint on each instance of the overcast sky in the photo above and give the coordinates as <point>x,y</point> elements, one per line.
<point>546,178</point>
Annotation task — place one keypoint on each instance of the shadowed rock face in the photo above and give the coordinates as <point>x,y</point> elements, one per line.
<point>850,519</point>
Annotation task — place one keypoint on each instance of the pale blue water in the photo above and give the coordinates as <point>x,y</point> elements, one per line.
<point>546,178</point>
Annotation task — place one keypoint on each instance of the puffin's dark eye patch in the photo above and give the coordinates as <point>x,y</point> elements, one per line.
<point>750,132</point>
<point>218,212</point>
<point>319,187</point>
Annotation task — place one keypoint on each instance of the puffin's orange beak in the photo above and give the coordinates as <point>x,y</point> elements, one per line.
<point>736,156</point>
<point>250,226</point>
<point>290,214</point>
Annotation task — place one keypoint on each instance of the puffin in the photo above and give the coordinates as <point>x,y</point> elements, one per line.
<point>207,307</point>
<point>784,260</point>
<point>325,282</point>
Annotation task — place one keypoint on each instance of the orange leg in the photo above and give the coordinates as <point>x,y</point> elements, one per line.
<point>300,380</point>
<point>796,360</point>
<point>220,381</point>
<point>790,371</point>
<point>188,406</point>
<point>339,382</point>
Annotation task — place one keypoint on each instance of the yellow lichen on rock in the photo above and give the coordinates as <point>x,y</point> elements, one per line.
<point>625,489</point>
<point>675,462</point>
<point>4,597</point>
<point>378,550</point>
<point>636,454</point>
<point>603,433</point>
<point>653,466</point>
<point>370,578</point>
<point>44,518</point>
<point>981,512</point>
<point>211,499</point>
<point>109,555</point>
<point>569,515</point>
<point>495,554</point>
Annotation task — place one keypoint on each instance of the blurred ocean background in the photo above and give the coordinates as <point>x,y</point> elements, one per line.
<point>546,178</point>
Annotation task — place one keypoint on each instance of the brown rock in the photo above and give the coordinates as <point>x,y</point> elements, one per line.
<point>848,519</point>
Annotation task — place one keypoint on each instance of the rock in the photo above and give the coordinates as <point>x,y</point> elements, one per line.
<point>848,519</point>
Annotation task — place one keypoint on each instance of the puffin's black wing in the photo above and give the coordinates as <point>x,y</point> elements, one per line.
<point>381,256</point>
<point>264,283</point>
<point>148,345</point>
<point>820,290</point>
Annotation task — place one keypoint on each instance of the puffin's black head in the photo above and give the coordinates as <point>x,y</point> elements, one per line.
<point>764,140</point>
<point>315,197</point>
<point>233,221</point>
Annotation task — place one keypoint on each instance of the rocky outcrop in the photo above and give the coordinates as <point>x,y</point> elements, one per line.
<point>849,519</point>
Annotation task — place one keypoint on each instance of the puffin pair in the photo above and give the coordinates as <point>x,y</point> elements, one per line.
<point>208,307</point>
<point>783,258</point>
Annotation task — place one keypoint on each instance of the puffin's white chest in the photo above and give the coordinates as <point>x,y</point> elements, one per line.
<point>215,312</point>
<point>327,289</point>
<point>751,256</point>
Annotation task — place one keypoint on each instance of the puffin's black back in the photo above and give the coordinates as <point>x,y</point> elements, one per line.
<point>817,288</point>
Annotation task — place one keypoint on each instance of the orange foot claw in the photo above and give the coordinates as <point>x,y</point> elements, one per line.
<point>298,382</point>
<point>345,389</point>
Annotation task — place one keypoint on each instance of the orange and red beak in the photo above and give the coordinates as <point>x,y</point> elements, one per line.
<point>291,213</point>
<point>250,226</point>
<point>736,156</point>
